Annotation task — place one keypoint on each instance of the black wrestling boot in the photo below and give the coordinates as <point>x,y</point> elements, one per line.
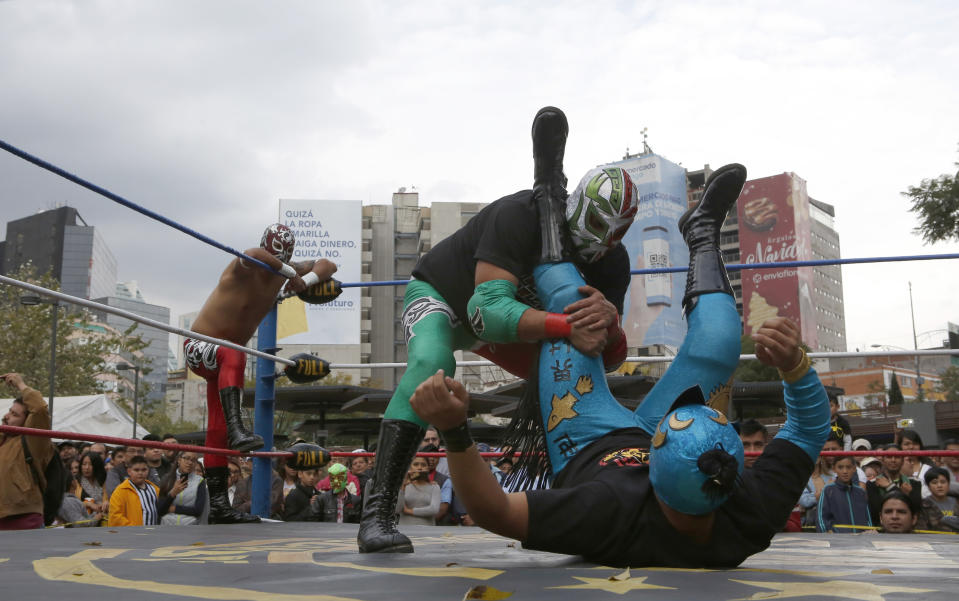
<point>240,439</point>
<point>550,129</point>
<point>221,512</point>
<point>700,228</point>
<point>397,444</point>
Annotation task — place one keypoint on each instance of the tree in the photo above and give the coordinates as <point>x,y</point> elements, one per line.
<point>85,350</point>
<point>949,383</point>
<point>936,201</point>
<point>895,393</point>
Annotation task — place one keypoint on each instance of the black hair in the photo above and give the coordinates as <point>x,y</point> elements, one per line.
<point>525,435</point>
<point>833,436</point>
<point>892,446</point>
<point>165,436</point>
<point>429,448</point>
<point>152,438</point>
<point>722,472</point>
<point>99,471</point>
<point>935,472</point>
<point>135,459</point>
<point>911,435</point>
<point>751,426</point>
<point>949,441</point>
<point>897,494</point>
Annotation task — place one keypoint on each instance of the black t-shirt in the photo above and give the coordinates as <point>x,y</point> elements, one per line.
<point>840,425</point>
<point>506,233</point>
<point>602,507</point>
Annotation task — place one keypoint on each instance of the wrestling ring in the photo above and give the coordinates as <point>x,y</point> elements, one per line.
<point>319,561</point>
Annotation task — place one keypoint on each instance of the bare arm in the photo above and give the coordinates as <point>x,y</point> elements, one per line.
<point>443,402</point>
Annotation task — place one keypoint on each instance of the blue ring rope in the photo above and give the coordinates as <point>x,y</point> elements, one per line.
<point>732,267</point>
<point>119,199</point>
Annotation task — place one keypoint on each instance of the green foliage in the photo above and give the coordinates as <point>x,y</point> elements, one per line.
<point>949,383</point>
<point>83,349</point>
<point>936,201</point>
<point>754,370</point>
<point>895,393</point>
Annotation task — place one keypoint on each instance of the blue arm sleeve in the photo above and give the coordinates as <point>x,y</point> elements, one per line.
<point>807,414</point>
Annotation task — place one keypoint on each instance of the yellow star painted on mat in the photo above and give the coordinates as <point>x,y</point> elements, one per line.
<point>843,589</point>
<point>620,587</point>
<point>584,385</point>
<point>562,409</point>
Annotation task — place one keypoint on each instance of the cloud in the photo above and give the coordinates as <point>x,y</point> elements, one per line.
<point>209,112</point>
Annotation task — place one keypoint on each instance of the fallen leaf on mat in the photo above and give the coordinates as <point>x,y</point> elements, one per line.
<point>93,543</point>
<point>620,577</point>
<point>486,593</point>
<point>882,571</point>
<point>452,563</point>
<point>197,544</point>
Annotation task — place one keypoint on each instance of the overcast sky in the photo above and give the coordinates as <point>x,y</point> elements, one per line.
<point>209,112</point>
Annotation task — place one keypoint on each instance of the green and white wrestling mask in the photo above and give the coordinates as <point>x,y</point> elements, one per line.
<point>600,211</point>
<point>337,473</point>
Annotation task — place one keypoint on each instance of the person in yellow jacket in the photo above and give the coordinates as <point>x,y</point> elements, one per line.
<point>21,498</point>
<point>134,502</point>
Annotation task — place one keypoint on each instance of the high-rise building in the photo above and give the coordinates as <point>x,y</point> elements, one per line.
<point>395,236</point>
<point>775,222</point>
<point>59,241</point>
<point>158,341</point>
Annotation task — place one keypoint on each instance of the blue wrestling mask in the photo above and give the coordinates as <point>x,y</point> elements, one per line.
<point>696,456</point>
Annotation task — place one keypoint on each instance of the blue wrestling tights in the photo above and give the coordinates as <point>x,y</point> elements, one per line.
<point>576,404</point>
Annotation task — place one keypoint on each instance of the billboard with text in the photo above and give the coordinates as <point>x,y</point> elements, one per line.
<point>774,228</point>
<point>324,229</point>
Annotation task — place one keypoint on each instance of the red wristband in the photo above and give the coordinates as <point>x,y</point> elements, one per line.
<point>556,326</point>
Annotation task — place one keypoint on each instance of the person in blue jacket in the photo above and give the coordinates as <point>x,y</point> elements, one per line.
<point>843,503</point>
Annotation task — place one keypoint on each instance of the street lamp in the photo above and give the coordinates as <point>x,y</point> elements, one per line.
<point>915,345</point>
<point>136,389</point>
<point>30,300</point>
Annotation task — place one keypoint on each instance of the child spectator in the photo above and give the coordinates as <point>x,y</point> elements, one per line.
<point>298,506</point>
<point>871,468</point>
<point>338,504</point>
<point>134,502</point>
<point>843,503</point>
<point>938,504</point>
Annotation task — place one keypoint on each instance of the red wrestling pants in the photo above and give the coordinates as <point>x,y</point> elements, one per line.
<point>221,368</point>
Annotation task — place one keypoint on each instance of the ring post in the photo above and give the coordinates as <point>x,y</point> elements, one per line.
<point>263,416</point>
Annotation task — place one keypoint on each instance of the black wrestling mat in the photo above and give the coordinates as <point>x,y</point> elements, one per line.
<point>319,562</point>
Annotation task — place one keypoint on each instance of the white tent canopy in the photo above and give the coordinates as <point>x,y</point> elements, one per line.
<point>91,414</point>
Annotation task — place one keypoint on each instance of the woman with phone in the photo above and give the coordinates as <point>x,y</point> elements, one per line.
<point>419,499</point>
<point>184,498</point>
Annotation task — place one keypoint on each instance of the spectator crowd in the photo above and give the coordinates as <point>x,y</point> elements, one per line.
<point>133,486</point>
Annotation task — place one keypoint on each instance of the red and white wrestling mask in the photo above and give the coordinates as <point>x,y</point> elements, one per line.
<point>278,240</point>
